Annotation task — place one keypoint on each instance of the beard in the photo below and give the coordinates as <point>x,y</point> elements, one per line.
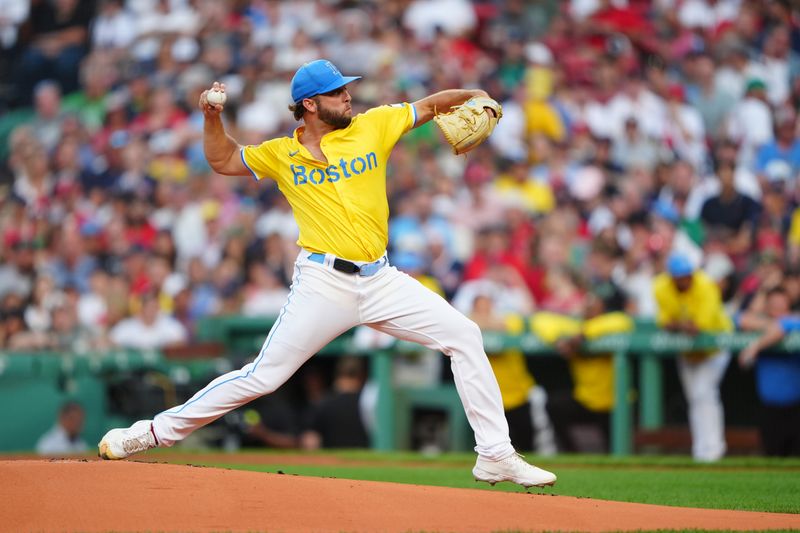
<point>332,118</point>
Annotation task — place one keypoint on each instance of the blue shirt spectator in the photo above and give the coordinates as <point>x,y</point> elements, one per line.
<point>778,373</point>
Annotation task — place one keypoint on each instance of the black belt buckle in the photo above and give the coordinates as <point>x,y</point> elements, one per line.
<point>345,266</point>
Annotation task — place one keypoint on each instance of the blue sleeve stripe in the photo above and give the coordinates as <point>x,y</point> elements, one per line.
<point>414,114</point>
<point>241,153</point>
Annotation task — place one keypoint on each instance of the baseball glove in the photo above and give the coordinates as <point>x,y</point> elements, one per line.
<point>467,125</point>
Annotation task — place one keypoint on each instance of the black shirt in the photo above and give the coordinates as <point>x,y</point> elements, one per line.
<point>338,421</point>
<point>731,214</point>
<point>44,17</point>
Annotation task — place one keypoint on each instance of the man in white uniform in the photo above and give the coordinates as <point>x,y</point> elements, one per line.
<point>333,173</point>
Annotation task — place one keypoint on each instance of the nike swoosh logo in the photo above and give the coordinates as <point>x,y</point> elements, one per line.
<point>292,154</point>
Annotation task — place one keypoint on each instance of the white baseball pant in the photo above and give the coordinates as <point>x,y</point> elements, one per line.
<point>701,382</point>
<point>323,304</point>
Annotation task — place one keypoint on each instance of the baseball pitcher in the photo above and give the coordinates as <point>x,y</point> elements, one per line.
<point>332,171</point>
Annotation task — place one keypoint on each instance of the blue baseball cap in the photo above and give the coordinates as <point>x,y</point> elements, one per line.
<point>317,77</point>
<point>679,265</point>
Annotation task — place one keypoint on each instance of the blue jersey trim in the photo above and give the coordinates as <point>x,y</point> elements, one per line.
<point>241,154</point>
<point>260,355</point>
<point>414,113</point>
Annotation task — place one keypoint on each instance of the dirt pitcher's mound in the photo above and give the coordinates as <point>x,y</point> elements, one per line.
<point>129,496</point>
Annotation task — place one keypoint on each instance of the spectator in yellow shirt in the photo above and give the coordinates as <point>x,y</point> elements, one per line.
<point>516,184</point>
<point>541,116</point>
<point>529,426</point>
<point>689,302</point>
<point>591,400</point>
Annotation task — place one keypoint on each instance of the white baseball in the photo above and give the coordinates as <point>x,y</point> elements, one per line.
<point>216,97</point>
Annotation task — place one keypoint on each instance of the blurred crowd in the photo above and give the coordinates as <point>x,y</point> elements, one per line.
<point>631,130</point>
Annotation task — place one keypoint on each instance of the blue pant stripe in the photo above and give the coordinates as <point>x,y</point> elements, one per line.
<point>260,355</point>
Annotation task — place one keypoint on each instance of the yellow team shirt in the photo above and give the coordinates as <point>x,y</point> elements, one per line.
<point>511,369</point>
<point>794,228</point>
<point>537,196</point>
<point>550,327</point>
<point>542,118</point>
<point>593,374</point>
<point>701,304</point>
<point>340,206</point>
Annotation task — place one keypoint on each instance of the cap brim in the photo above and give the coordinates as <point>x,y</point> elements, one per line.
<point>338,83</point>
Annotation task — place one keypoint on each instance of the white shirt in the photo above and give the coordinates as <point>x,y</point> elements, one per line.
<point>189,231</point>
<point>277,221</point>
<point>92,310</point>
<point>56,441</point>
<point>638,286</point>
<point>15,12</point>
<point>508,138</point>
<point>115,31</point>
<point>581,9</point>
<point>688,137</point>
<point>453,17</point>
<point>265,302</point>
<point>133,333</point>
<point>506,299</point>
<point>646,107</point>
<point>751,125</point>
<point>698,13</point>
<point>774,72</point>
<point>730,80</point>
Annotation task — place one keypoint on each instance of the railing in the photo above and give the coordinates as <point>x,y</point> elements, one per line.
<point>245,335</point>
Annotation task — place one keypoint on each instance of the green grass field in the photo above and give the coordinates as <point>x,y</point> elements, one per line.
<point>749,484</point>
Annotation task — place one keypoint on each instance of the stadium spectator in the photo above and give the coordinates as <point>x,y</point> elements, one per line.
<point>750,122</point>
<point>731,212</point>
<point>782,150</point>
<point>633,149</point>
<point>149,328</point>
<point>337,421</point>
<point>270,422</point>
<point>689,302</point>
<point>588,404</point>
<point>54,42</point>
<point>711,100</point>
<point>64,438</point>
<point>17,273</point>
<point>777,373</point>
<point>684,131</point>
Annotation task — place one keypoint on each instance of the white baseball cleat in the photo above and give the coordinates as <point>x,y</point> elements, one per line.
<point>512,468</point>
<point>124,442</point>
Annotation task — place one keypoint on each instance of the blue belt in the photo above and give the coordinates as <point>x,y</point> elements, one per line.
<point>348,267</point>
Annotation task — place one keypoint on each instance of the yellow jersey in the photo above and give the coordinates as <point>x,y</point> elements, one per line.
<point>537,197</point>
<point>542,118</point>
<point>511,369</point>
<point>340,205</point>
<point>701,304</point>
<point>550,327</point>
<point>593,374</point>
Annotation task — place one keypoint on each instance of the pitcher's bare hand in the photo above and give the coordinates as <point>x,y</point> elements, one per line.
<point>208,108</point>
